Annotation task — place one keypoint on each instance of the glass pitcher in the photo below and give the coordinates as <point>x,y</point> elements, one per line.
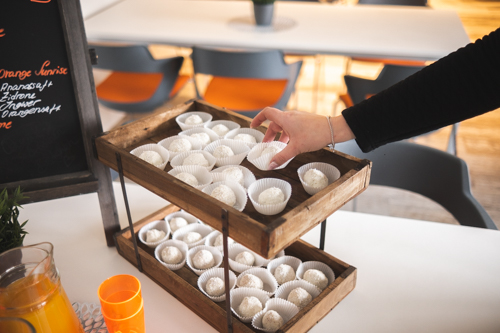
<point>30,288</point>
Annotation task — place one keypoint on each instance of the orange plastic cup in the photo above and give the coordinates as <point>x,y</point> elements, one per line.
<point>120,296</point>
<point>132,324</point>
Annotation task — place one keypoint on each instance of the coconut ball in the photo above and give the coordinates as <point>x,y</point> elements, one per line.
<point>196,159</point>
<point>225,194</point>
<point>251,281</point>
<point>271,196</point>
<point>219,239</point>
<point>177,223</point>
<point>272,320</point>
<point>203,259</point>
<point>270,150</point>
<point>187,178</point>
<point>191,237</point>
<point>250,306</point>
<point>171,255</point>
<point>300,297</point>
<point>245,258</point>
<point>180,145</point>
<point>247,138</point>
<point>151,157</point>
<point>193,120</point>
<point>223,151</point>
<point>220,129</point>
<point>235,174</point>
<point>154,235</point>
<point>284,273</point>
<point>316,178</point>
<point>204,138</point>
<point>215,286</point>
<point>316,277</point>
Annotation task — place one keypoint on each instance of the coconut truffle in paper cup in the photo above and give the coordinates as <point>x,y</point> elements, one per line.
<point>276,313</point>
<point>179,219</point>
<point>202,134</point>
<point>227,152</point>
<point>262,153</point>
<point>241,258</point>
<point>229,192</point>
<point>284,268</point>
<point>298,292</point>
<point>194,157</point>
<point>154,233</point>
<point>237,173</point>
<point>316,176</point>
<point>215,239</point>
<point>194,175</point>
<point>193,234</point>
<point>316,273</point>
<point>222,127</point>
<point>201,258</point>
<point>152,154</point>
<point>247,302</point>
<point>249,136</point>
<point>250,279</point>
<point>172,254</point>
<point>193,119</point>
<point>211,283</point>
<point>269,196</point>
<point>179,144</point>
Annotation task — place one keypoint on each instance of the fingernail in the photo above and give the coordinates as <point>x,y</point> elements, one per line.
<point>272,166</point>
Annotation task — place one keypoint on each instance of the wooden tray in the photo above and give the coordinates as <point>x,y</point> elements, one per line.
<point>182,284</point>
<point>265,235</point>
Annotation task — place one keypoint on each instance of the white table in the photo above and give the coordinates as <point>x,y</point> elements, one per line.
<point>92,7</point>
<point>308,28</point>
<point>413,276</point>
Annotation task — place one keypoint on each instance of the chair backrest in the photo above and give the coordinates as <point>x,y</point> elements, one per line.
<point>134,59</point>
<point>394,2</point>
<point>435,174</point>
<point>251,64</point>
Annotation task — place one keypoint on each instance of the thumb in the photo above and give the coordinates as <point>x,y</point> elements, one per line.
<point>281,157</point>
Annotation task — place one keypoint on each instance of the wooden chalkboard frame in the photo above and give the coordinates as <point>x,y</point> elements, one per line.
<point>97,178</point>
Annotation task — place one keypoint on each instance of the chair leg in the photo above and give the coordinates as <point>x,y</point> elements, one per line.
<point>452,140</point>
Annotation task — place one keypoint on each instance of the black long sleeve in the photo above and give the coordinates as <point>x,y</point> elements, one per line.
<point>462,85</point>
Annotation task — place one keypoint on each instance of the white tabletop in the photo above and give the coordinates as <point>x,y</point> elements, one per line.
<point>93,7</point>
<point>413,276</point>
<point>370,31</point>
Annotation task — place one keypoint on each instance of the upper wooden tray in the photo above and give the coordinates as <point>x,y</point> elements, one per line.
<point>265,235</point>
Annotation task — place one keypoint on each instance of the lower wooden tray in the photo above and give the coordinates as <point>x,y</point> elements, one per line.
<point>182,284</point>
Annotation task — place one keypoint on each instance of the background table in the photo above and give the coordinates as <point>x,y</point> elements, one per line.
<point>413,276</point>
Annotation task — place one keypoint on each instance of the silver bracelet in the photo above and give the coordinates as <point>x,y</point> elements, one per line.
<point>331,145</point>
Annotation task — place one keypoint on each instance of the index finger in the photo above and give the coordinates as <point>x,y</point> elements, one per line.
<point>266,113</point>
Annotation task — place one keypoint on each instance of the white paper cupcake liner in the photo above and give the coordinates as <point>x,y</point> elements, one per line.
<point>331,172</point>
<point>231,125</point>
<point>236,249</point>
<point>263,184</point>
<point>203,176</point>
<point>285,309</point>
<point>285,289</point>
<point>192,251</point>
<point>165,143</point>
<point>178,244</point>
<point>237,296</point>
<point>270,284</point>
<point>180,119</point>
<point>288,260</point>
<point>239,149</point>
<point>248,176</point>
<point>216,272</point>
<point>179,159</point>
<point>165,155</point>
<point>203,230</point>
<point>209,241</point>
<point>159,225</point>
<point>239,191</point>
<point>262,161</point>
<point>258,135</point>
<point>188,217</point>
<point>330,275</point>
<point>211,134</point>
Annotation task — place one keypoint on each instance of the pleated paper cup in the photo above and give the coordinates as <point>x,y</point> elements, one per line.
<point>258,135</point>
<point>212,239</point>
<point>263,184</point>
<point>236,249</point>
<point>192,251</point>
<point>239,191</point>
<point>188,217</point>
<point>179,159</point>
<point>330,275</point>
<point>237,296</point>
<point>211,134</point>
<point>285,289</point>
<point>165,143</point>
<point>159,225</point>
<point>181,119</point>
<point>176,243</point>
<point>262,161</point>
<point>203,230</point>
<point>239,149</point>
<point>284,308</point>
<point>203,176</point>
<point>216,272</point>
<point>287,260</point>
<point>231,125</point>
<point>248,176</point>
<point>165,155</point>
<point>331,172</point>
<point>270,284</point>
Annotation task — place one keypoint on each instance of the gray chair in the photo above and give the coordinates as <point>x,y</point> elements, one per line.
<point>245,81</point>
<point>432,173</point>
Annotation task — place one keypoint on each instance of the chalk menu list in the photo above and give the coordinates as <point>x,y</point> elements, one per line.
<point>40,133</point>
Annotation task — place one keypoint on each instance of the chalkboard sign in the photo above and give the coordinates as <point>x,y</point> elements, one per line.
<point>48,107</point>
